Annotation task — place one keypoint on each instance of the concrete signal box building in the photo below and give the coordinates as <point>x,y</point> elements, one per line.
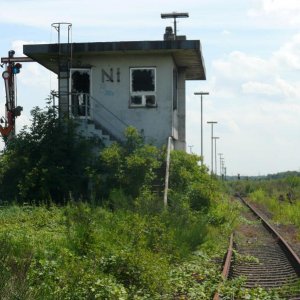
<point>111,85</point>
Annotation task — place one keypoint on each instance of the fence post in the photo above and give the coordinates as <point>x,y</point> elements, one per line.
<point>167,172</point>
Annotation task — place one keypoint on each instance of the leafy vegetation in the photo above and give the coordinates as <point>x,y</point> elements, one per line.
<point>82,224</point>
<point>279,196</point>
<point>45,162</point>
<point>84,252</point>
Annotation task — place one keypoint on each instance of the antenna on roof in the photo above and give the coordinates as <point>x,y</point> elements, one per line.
<point>174,15</point>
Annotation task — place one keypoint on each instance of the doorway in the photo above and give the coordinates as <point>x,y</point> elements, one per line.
<point>80,86</point>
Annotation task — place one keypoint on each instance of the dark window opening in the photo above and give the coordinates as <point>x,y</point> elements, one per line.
<point>150,100</point>
<point>143,87</point>
<point>80,93</point>
<point>136,100</point>
<point>143,80</point>
<point>81,82</point>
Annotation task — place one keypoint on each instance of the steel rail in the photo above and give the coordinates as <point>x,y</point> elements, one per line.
<point>284,244</point>
<point>227,264</point>
<point>290,253</point>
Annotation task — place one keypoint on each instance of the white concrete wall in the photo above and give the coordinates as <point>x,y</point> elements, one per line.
<point>180,143</point>
<point>155,123</point>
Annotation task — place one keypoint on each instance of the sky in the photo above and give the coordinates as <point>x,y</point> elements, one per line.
<point>251,51</point>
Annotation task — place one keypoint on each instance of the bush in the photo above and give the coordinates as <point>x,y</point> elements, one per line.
<point>199,197</point>
<point>130,168</point>
<point>190,182</point>
<point>45,162</point>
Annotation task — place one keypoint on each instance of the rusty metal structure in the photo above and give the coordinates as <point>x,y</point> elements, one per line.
<point>12,66</point>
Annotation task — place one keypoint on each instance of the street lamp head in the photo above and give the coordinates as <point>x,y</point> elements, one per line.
<point>212,122</point>
<point>174,15</point>
<point>201,93</point>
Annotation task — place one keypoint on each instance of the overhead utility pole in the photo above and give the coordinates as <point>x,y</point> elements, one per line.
<point>212,144</point>
<point>220,154</point>
<point>216,138</point>
<point>201,94</point>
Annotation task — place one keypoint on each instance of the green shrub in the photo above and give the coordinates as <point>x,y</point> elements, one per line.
<point>199,197</point>
<point>131,167</point>
<point>80,227</point>
<point>45,162</point>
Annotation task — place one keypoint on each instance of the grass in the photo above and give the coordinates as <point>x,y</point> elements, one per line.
<point>81,251</point>
<point>84,252</point>
<point>282,212</point>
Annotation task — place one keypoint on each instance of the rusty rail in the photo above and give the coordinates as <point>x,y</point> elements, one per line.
<point>227,265</point>
<point>290,253</point>
<point>286,247</point>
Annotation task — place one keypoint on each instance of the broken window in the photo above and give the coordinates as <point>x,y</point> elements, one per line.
<point>143,87</point>
<point>80,92</point>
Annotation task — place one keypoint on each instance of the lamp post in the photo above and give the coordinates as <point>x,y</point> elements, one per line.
<point>216,138</point>
<point>201,94</point>
<point>191,147</point>
<point>223,169</point>
<point>212,144</point>
<point>220,154</point>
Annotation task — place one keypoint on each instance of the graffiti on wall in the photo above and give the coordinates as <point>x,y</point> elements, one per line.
<point>113,75</point>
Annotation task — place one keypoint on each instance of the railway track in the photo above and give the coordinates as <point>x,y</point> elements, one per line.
<point>263,257</point>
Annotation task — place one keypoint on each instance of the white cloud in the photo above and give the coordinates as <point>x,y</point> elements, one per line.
<point>290,89</point>
<point>260,107</point>
<point>289,54</point>
<point>253,87</point>
<point>226,32</point>
<point>271,6</point>
<point>109,14</point>
<point>277,75</point>
<point>278,13</point>
<point>240,66</point>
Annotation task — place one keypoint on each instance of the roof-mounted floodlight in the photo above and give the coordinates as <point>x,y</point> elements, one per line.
<point>174,15</point>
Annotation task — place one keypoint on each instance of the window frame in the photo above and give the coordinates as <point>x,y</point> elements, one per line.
<point>142,94</point>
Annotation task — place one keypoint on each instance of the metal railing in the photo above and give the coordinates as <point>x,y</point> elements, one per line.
<point>87,107</point>
<point>80,105</point>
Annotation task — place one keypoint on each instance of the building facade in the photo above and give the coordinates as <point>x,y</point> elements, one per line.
<point>111,85</point>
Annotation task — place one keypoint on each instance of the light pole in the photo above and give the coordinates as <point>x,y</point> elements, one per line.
<point>201,94</point>
<point>191,147</point>
<point>216,138</point>
<point>223,168</point>
<point>212,144</point>
<point>220,154</point>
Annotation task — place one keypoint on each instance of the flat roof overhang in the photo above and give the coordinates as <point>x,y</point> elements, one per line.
<point>186,53</point>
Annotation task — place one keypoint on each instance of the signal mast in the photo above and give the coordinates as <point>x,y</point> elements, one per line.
<point>12,68</point>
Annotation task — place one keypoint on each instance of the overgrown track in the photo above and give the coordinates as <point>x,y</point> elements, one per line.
<point>263,257</point>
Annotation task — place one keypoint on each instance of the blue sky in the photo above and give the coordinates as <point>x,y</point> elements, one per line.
<point>251,50</point>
